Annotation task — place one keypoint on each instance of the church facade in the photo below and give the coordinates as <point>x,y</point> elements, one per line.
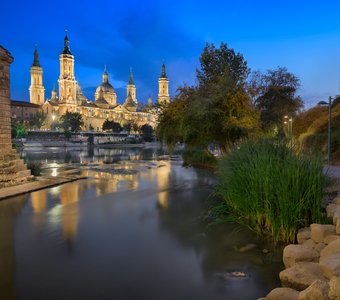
<point>105,104</point>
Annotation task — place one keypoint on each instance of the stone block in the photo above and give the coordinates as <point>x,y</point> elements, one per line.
<point>319,232</point>
<point>301,275</point>
<point>297,253</point>
<point>330,209</point>
<point>331,238</point>
<point>330,265</point>
<point>330,249</point>
<point>318,290</point>
<point>303,235</point>
<point>336,200</point>
<point>283,294</point>
<point>334,288</point>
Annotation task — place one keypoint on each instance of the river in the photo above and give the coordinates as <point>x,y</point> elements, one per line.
<point>134,229</point>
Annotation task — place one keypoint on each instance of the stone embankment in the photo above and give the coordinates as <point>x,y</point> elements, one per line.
<point>313,265</point>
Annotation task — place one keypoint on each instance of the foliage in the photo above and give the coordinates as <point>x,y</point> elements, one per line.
<point>216,110</point>
<point>267,186</point>
<point>71,121</point>
<point>127,126</point>
<point>199,158</point>
<point>275,94</point>
<point>35,167</point>
<point>147,132</point>
<point>38,120</point>
<point>112,125</point>
<point>18,129</point>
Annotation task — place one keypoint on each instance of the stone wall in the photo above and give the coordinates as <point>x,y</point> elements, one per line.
<point>12,169</point>
<point>313,265</point>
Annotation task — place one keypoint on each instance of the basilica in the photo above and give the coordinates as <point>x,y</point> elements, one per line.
<point>105,104</point>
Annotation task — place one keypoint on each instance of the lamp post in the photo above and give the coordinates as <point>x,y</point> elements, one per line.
<point>289,122</point>
<point>329,104</point>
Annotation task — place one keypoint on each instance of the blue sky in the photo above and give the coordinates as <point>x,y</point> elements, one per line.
<point>303,36</point>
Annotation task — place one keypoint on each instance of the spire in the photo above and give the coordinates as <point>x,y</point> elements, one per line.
<point>163,75</point>
<point>105,76</point>
<point>66,44</point>
<point>36,62</point>
<point>131,78</point>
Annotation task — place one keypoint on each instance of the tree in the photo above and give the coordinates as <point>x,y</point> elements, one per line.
<point>216,110</point>
<point>277,97</point>
<point>38,120</point>
<point>147,132</point>
<point>127,127</point>
<point>71,121</point>
<point>111,125</point>
<point>18,129</point>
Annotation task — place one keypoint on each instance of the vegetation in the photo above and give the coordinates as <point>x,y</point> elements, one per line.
<point>19,129</point>
<point>147,133</point>
<point>71,122</point>
<point>200,158</point>
<point>267,186</point>
<point>112,125</point>
<point>38,120</point>
<point>216,110</point>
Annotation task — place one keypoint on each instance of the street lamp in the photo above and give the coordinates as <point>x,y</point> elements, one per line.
<point>329,105</point>
<point>289,122</point>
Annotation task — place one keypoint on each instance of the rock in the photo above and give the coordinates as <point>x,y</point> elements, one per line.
<point>296,253</point>
<point>337,226</point>
<point>331,238</point>
<point>317,246</point>
<point>336,215</point>
<point>330,249</point>
<point>330,209</point>
<point>283,294</point>
<point>334,288</point>
<point>336,200</point>
<point>262,298</point>
<point>318,290</point>
<point>330,265</point>
<point>301,275</point>
<point>303,235</point>
<point>265,251</point>
<point>247,247</point>
<point>319,232</point>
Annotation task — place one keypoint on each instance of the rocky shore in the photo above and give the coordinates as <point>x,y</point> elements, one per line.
<point>313,265</point>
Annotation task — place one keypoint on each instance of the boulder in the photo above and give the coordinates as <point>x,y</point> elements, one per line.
<point>330,265</point>
<point>303,235</point>
<point>301,275</point>
<point>283,294</point>
<point>317,246</point>
<point>330,209</point>
<point>336,200</point>
<point>337,226</point>
<point>319,232</point>
<point>336,215</point>
<point>318,290</point>
<point>334,288</point>
<point>332,248</point>
<point>331,238</point>
<point>296,253</point>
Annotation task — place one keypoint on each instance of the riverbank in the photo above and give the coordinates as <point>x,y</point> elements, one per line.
<point>38,183</point>
<point>313,265</point>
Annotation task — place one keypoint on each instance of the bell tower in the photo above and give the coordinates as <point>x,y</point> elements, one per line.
<point>67,82</point>
<point>131,88</point>
<point>37,90</point>
<point>163,87</point>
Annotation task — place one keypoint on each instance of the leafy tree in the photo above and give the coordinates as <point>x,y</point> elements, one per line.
<point>18,129</point>
<point>147,132</point>
<point>277,97</point>
<point>127,127</point>
<point>216,110</point>
<point>71,121</point>
<point>111,125</point>
<point>38,120</point>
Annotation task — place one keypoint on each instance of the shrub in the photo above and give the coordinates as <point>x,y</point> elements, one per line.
<point>199,158</point>
<point>267,186</point>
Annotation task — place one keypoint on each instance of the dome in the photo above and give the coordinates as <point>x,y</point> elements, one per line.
<point>106,88</point>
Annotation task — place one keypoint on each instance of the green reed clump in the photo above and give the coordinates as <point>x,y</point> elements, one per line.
<point>267,186</point>
<point>199,158</point>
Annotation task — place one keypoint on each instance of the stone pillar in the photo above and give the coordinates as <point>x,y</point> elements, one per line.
<point>12,169</point>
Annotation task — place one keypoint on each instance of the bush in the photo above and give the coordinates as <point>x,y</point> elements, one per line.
<point>199,158</point>
<point>267,186</point>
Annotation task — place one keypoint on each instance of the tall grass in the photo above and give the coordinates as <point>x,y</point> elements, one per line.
<point>267,186</point>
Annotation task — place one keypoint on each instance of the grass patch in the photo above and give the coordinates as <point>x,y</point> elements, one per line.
<point>199,158</point>
<point>268,187</point>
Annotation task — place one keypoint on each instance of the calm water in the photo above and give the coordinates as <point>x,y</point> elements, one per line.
<point>132,230</point>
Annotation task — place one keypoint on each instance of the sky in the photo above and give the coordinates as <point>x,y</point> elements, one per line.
<point>303,36</point>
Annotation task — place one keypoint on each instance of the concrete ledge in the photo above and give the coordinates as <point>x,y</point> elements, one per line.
<point>41,183</point>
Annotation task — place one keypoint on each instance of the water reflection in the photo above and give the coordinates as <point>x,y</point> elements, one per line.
<point>132,230</point>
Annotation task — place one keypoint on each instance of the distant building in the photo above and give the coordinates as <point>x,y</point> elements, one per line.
<point>105,106</point>
<point>23,111</point>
